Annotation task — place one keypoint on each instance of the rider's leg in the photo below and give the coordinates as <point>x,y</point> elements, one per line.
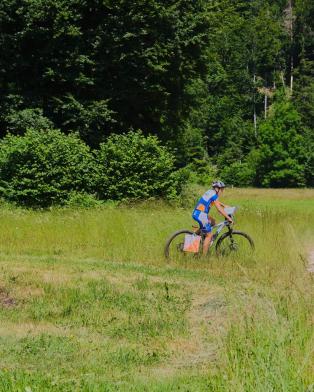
<point>205,226</point>
<point>209,234</point>
<point>207,242</point>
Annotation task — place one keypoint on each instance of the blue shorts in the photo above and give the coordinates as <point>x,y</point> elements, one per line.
<point>202,219</point>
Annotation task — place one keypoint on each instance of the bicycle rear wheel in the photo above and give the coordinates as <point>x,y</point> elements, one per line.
<point>235,243</point>
<point>174,247</point>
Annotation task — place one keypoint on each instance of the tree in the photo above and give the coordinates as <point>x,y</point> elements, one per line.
<point>246,42</point>
<point>304,93</point>
<point>132,61</point>
<point>282,154</point>
<point>18,122</point>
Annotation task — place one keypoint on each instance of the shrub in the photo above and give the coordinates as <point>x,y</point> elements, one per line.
<point>132,166</point>
<point>82,200</point>
<point>42,168</point>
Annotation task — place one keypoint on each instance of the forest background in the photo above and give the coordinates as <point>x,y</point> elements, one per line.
<point>134,98</point>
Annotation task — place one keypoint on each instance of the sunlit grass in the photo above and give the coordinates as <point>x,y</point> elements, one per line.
<point>87,301</point>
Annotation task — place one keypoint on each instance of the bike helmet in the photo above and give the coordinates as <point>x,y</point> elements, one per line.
<point>218,184</point>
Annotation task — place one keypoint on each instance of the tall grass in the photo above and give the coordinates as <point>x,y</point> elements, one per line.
<point>138,233</point>
<point>87,301</point>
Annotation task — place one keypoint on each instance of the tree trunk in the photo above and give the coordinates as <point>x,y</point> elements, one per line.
<point>254,106</point>
<point>289,18</point>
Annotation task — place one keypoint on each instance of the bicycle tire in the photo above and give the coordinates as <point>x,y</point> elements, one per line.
<point>170,239</point>
<point>233,233</point>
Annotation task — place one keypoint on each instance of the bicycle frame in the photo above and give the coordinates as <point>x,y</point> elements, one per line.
<point>218,228</point>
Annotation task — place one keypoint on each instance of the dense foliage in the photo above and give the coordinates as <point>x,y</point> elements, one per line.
<point>211,79</point>
<point>44,168</point>
<point>136,167</point>
<point>282,155</point>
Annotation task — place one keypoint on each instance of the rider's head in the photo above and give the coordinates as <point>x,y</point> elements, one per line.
<point>218,186</point>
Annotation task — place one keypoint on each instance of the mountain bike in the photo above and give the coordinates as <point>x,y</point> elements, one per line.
<point>229,243</point>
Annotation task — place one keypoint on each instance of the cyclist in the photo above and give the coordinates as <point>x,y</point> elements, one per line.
<point>201,211</point>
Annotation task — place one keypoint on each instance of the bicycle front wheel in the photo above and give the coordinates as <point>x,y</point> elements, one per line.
<point>174,246</point>
<point>235,243</point>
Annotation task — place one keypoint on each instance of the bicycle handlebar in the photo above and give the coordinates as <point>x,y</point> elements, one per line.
<point>227,222</point>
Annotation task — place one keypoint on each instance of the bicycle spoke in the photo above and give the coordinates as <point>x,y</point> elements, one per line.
<point>236,245</point>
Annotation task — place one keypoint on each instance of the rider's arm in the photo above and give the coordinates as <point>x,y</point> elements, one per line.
<point>220,209</point>
<point>223,205</point>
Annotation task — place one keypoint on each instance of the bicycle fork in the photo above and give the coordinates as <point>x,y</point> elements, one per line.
<point>230,233</point>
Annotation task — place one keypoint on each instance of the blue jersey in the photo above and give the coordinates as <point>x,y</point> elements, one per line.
<point>206,201</point>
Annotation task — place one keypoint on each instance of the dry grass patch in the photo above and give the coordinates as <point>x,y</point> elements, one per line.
<point>19,330</point>
<point>6,301</point>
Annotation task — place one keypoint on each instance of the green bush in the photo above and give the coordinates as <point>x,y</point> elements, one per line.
<point>132,166</point>
<point>82,200</point>
<point>41,169</point>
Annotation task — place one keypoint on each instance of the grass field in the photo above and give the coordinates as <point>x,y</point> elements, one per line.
<point>88,303</point>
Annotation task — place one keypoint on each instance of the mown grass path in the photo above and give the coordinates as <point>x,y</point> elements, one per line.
<point>311,261</point>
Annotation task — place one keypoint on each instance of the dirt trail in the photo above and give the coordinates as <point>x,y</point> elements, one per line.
<point>311,261</point>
